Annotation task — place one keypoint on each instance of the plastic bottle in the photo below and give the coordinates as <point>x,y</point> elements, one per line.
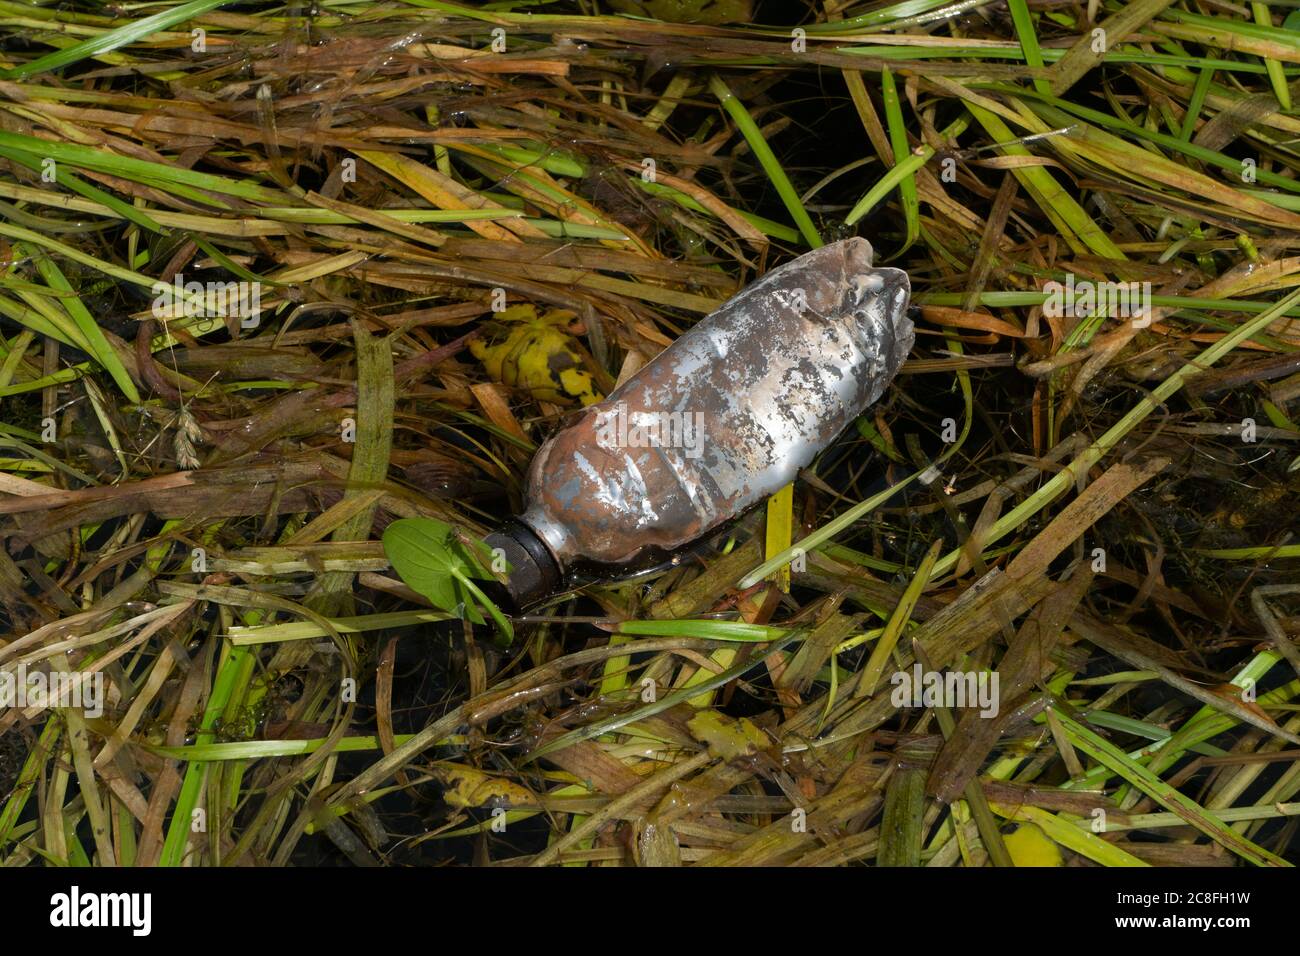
<point>716,423</point>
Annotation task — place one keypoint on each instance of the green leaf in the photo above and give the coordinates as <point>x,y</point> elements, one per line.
<point>477,556</point>
<point>438,562</point>
<point>439,588</point>
<point>420,551</point>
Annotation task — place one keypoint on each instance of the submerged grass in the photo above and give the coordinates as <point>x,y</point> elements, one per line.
<point>1095,506</point>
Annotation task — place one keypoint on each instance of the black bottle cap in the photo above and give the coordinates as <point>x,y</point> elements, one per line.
<point>534,574</point>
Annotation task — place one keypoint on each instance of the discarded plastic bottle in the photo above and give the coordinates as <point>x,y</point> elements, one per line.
<point>717,422</point>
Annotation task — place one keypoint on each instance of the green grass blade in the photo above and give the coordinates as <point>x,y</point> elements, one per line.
<point>1166,795</point>
<point>101,350</point>
<point>124,35</point>
<point>1028,41</point>
<point>898,142</point>
<point>767,159</point>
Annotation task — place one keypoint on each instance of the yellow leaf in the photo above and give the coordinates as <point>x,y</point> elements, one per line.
<point>1030,846</point>
<point>537,354</point>
<point>727,738</point>
<point>467,787</point>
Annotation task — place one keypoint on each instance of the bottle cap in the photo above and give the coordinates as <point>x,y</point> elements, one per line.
<point>534,574</point>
